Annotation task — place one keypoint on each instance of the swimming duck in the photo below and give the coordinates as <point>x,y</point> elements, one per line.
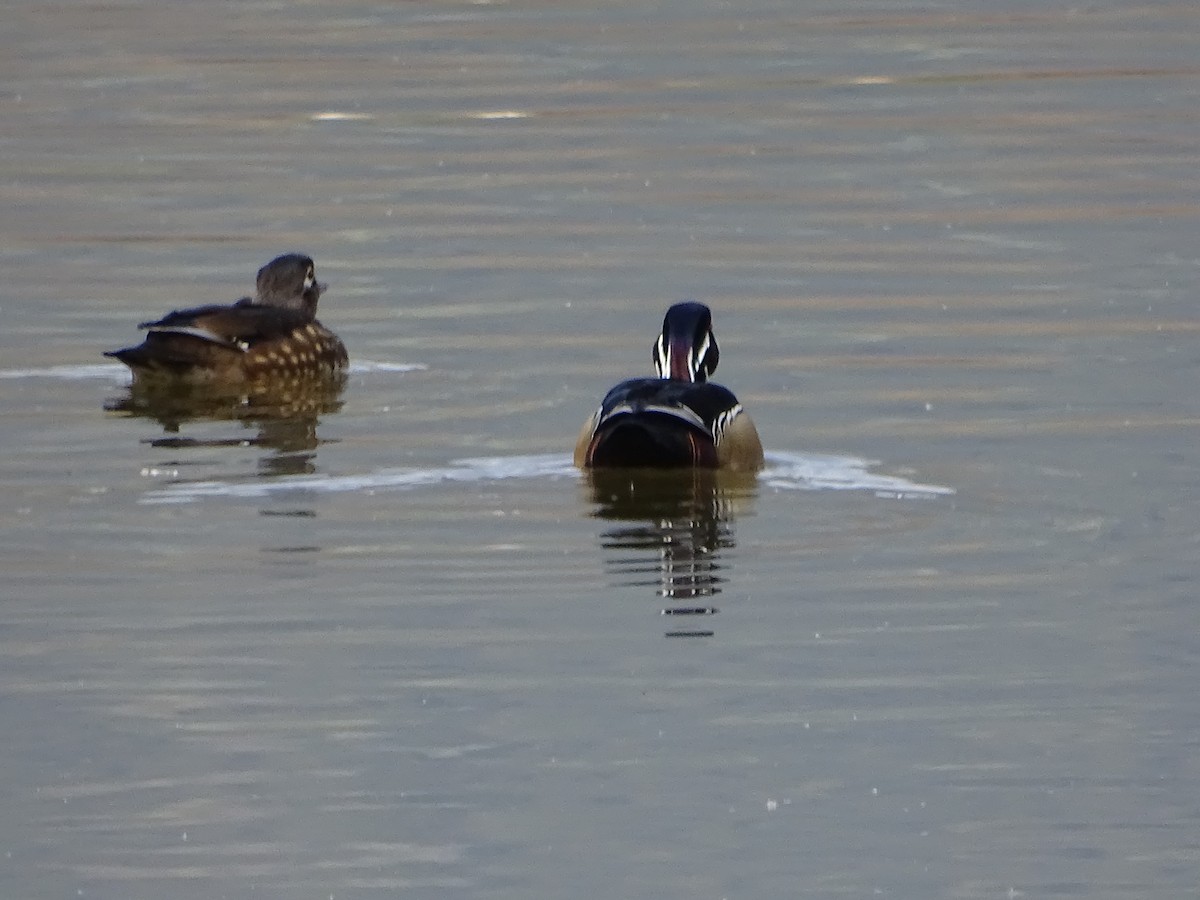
<point>677,419</point>
<point>273,333</point>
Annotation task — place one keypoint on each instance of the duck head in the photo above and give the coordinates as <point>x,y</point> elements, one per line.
<point>289,282</point>
<point>687,349</point>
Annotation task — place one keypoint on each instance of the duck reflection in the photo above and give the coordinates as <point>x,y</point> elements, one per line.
<point>283,411</point>
<point>678,525</point>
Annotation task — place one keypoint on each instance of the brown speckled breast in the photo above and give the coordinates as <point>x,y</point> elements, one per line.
<point>308,349</point>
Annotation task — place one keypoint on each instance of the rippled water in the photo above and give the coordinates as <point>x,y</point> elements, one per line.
<point>383,640</point>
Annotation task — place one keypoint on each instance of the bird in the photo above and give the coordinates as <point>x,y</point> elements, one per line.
<point>678,419</point>
<point>273,333</point>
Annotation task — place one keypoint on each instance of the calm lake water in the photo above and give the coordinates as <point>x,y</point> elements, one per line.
<point>387,642</point>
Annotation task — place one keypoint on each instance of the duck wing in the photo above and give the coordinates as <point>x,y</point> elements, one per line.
<point>701,406</point>
<point>660,423</point>
<point>221,341</point>
<point>237,326</point>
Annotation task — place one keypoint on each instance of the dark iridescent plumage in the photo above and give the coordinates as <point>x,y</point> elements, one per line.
<point>678,419</point>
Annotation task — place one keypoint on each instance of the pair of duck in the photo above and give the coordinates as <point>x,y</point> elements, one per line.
<point>677,419</point>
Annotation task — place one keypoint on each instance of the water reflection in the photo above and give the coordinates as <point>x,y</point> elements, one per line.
<point>675,529</point>
<point>284,413</point>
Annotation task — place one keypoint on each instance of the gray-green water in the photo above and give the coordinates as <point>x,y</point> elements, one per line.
<point>392,645</point>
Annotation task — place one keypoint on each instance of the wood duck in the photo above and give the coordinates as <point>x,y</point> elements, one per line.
<point>678,419</point>
<point>273,333</point>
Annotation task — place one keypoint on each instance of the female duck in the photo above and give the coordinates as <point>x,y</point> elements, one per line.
<point>273,333</point>
<point>678,419</point>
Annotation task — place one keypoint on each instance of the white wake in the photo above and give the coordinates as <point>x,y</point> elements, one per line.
<point>784,471</point>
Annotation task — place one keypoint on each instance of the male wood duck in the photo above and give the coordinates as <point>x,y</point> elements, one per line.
<point>678,419</point>
<point>273,333</point>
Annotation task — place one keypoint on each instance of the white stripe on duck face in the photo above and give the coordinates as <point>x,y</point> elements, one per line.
<point>698,355</point>
<point>662,357</point>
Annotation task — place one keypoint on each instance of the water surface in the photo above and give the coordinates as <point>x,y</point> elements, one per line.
<point>385,641</point>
